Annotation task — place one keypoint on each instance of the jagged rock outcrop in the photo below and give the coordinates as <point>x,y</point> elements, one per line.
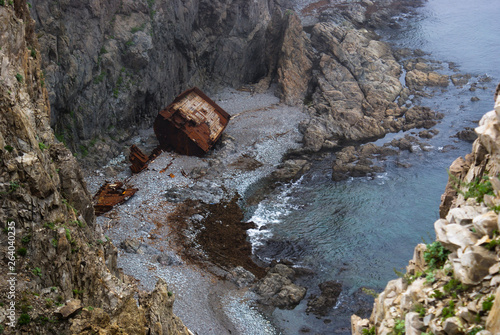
<point>452,286</point>
<point>359,79</point>
<point>61,258</point>
<point>356,83</point>
<point>295,62</point>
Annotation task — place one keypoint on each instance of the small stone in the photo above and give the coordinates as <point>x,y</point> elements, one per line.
<point>464,313</point>
<point>427,319</point>
<point>495,268</point>
<point>242,277</point>
<point>452,325</point>
<point>486,224</point>
<point>495,281</point>
<point>72,307</point>
<point>130,246</point>
<point>169,258</point>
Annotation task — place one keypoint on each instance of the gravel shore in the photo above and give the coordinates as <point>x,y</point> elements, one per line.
<point>259,134</point>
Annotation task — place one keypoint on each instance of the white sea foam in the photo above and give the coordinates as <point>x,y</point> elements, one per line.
<point>271,212</point>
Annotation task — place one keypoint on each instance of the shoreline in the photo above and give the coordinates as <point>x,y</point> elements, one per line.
<point>230,166</point>
<point>263,130</point>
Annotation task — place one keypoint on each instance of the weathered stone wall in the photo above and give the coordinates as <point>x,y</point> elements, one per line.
<point>62,260</point>
<point>461,296</point>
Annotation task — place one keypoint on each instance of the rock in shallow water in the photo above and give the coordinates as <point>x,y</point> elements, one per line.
<point>330,292</point>
<point>277,289</point>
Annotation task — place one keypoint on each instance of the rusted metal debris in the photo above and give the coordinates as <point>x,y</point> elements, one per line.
<point>166,167</point>
<point>139,160</point>
<point>191,124</point>
<point>110,195</point>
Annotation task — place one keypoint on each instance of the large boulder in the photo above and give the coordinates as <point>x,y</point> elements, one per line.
<point>277,289</point>
<point>453,236</point>
<point>473,264</point>
<point>486,224</point>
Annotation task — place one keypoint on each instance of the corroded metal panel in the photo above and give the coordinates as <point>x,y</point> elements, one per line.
<point>138,159</point>
<point>110,195</point>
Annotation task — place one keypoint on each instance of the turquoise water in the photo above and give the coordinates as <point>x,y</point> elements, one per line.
<point>357,231</point>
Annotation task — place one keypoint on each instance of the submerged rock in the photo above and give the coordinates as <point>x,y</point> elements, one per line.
<point>330,292</point>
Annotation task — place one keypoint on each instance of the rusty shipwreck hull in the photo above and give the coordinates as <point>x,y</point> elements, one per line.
<point>191,124</point>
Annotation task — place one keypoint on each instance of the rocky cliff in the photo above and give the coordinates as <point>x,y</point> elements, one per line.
<point>452,286</point>
<point>59,273</point>
<point>111,66</point>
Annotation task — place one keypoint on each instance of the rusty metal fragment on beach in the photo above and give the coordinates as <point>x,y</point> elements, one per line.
<point>139,160</point>
<point>110,195</point>
<point>191,124</point>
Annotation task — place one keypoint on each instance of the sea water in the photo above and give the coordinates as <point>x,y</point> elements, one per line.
<point>359,230</point>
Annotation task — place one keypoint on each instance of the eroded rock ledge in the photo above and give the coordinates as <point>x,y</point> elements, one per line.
<point>452,286</point>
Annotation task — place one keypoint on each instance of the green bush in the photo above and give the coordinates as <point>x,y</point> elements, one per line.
<point>399,327</point>
<point>370,331</point>
<point>22,252</point>
<point>436,255</point>
<point>26,239</point>
<point>454,286</point>
<point>37,272</point>
<point>475,330</point>
<point>19,78</point>
<point>420,309</point>
<point>449,311</point>
<point>488,303</point>
<point>42,146</point>
<point>24,319</point>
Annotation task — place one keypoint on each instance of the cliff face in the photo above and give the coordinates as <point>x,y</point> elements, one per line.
<point>452,286</point>
<point>61,260</point>
<point>111,66</point>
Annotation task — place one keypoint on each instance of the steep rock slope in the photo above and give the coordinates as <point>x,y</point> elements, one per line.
<point>452,286</point>
<point>61,261</point>
<point>111,66</point>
